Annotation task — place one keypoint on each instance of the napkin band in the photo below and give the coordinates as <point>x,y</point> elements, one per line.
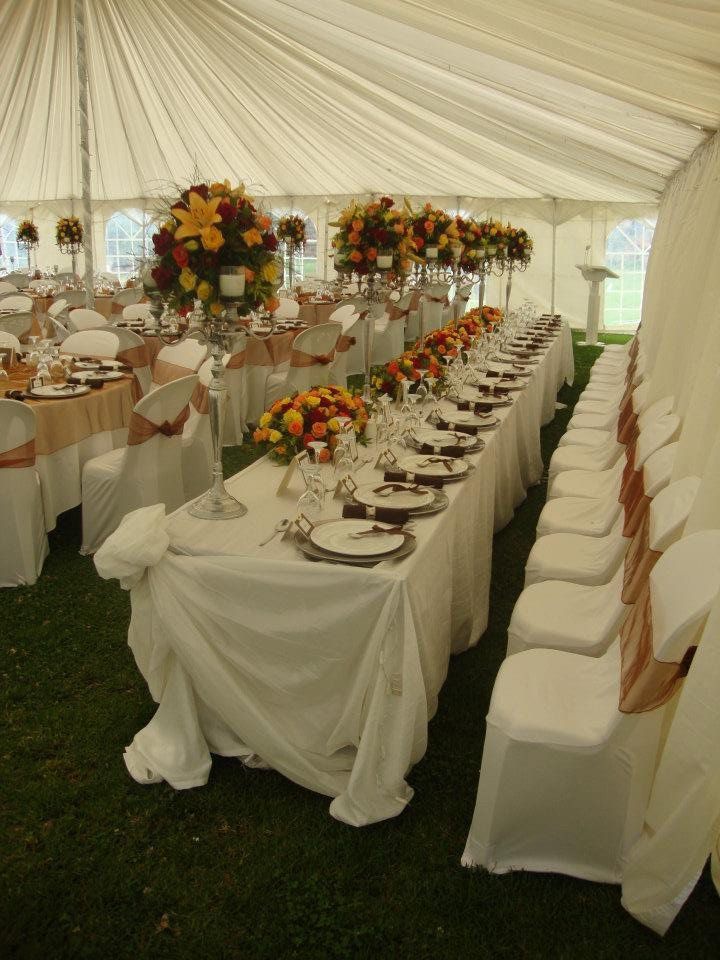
<point>468,429</point>
<point>453,451</point>
<point>645,683</point>
<point>361,511</point>
<point>476,406</point>
<point>405,476</point>
<point>21,456</point>
<point>142,429</point>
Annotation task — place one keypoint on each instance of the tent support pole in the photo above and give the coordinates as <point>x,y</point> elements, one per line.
<point>82,76</point>
<point>554,253</point>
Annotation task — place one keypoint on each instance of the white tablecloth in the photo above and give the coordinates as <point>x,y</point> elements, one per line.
<point>329,673</point>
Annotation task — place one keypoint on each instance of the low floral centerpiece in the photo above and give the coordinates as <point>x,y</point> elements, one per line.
<point>410,366</point>
<point>295,421</point>
<point>69,235</point>
<point>291,229</point>
<point>484,317</point>
<point>373,236</point>
<point>27,234</point>
<point>209,231</point>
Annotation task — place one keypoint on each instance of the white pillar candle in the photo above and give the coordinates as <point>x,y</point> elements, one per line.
<point>232,284</point>
<point>431,253</point>
<point>384,261</point>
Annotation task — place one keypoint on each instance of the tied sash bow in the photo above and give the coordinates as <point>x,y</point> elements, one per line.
<point>142,429</point>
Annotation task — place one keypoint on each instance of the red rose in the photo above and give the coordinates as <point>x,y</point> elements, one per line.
<point>163,277</point>
<point>270,241</point>
<point>201,190</point>
<point>316,416</point>
<point>307,438</point>
<point>226,211</point>
<point>162,242</point>
<point>386,202</point>
<point>180,255</point>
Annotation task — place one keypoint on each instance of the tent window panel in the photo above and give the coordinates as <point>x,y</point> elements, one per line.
<point>128,239</point>
<point>626,252</point>
<point>12,256</point>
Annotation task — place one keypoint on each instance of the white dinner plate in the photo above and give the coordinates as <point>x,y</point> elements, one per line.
<point>99,375</point>
<point>94,364</point>
<point>397,499</point>
<point>473,419</point>
<point>517,383</point>
<point>337,537</point>
<point>57,392</point>
<point>489,398</point>
<point>421,463</point>
<point>446,438</point>
<point>509,368</point>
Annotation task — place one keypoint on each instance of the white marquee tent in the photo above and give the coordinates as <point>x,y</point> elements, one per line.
<point>565,117</point>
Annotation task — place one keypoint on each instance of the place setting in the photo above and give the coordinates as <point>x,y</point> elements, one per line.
<point>358,542</point>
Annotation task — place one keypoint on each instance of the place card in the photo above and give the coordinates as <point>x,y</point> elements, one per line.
<point>345,487</point>
<point>385,458</point>
<point>305,525</point>
<point>292,468</point>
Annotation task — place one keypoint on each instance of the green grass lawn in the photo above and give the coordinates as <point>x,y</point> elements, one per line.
<point>252,866</point>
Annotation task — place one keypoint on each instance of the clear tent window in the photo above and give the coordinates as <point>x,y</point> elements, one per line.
<point>626,252</point>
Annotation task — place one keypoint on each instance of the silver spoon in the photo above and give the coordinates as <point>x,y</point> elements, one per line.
<point>280,527</point>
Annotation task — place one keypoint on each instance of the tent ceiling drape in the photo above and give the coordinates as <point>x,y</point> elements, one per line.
<point>598,102</point>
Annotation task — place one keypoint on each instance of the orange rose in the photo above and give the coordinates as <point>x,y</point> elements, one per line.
<point>429,226</point>
<point>319,430</point>
<point>399,377</point>
<point>324,456</point>
<point>257,436</point>
<point>399,228</point>
<point>295,428</point>
<point>354,237</point>
<point>419,243</point>
<point>249,275</point>
<point>271,304</point>
<point>371,254</point>
<point>356,256</point>
<point>357,225</point>
<point>264,222</point>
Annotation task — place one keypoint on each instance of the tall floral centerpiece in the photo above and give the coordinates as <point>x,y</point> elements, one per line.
<point>371,237</point>
<point>435,233</point>
<point>291,233</point>
<point>217,248</point>
<point>27,236</point>
<point>215,244</point>
<point>519,245</point>
<point>69,235</point>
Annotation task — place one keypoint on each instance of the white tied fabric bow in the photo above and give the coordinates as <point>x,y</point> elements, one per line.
<point>139,542</point>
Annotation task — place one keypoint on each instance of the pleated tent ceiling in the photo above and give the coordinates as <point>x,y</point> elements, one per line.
<point>598,101</point>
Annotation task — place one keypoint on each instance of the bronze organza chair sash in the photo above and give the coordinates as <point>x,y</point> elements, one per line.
<point>135,358</point>
<point>639,561</point>
<point>299,358</point>
<point>236,361</point>
<point>22,456</point>
<point>165,372</point>
<point>142,429</point>
<point>344,343</point>
<point>443,300</point>
<point>200,398</point>
<point>645,683</point>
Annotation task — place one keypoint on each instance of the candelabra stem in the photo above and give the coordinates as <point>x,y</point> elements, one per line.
<point>508,290</point>
<point>217,504</point>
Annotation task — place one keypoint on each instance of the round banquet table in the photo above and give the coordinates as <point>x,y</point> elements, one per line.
<point>70,432</point>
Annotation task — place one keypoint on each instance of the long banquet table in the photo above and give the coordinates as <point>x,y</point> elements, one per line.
<point>329,673</point>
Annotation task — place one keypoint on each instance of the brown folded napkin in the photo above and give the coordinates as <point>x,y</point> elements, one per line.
<point>15,395</point>
<point>403,476</point>
<point>360,511</point>
<point>492,373</point>
<point>445,451</point>
<point>477,407</point>
<point>95,384</point>
<point>107,367</point>
<point>468,428</point>
<point>377,531</point>
<point>499,391</point>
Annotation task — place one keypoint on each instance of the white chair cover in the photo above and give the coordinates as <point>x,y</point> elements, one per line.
<point>18,303</point>
<point>82,319</point>
<point>317,341</point>
<point>18,324</point>
<point>137,311</point>
<point>133,350</point>
<point>139,474</point>
<point>92,343</point>
<point>23,541</point>
<point>287,309</point>
<point>177,360</point>
<point>197,452</point>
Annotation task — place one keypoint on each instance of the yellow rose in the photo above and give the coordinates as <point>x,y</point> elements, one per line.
<point>292,416</point>
<point>212,238</point>
<point>265,419</point>
<point>187,279</point>
<point>269,272</point>
<point>252,237</point>
<point>216,308</point>
<point>204,290</point>
<point>312,402</point>
<point>443,240</point>
<point>274,436</point>
<point>191,245</point>
<point>333,425</point>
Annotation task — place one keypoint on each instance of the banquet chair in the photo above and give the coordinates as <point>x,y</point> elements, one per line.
<point>606,418</point>
<point>312,354</point>
<point>352,330</point>
<point>561,615</point>
<point>462,298</point>
<point>137,311</point>
<point>388,336</point>
<point>23,541</point>
<point>236,408</point>
<point>65,276</point>
<point>595,516</point>
<point>6,287</point>
<point>81,318</point>
<point>126,298</point>
<point>287,309</point>
<point>146,471</point>
<point>431,307</point>
<point>19,324</point>
<point>9,340</point>
<point>595,483</point>
<point>56,308</point>
<point>571,742</point>
<point>177,360</point>
<point>102,344</point>
<point>197,451</point>
<point>594,559</point>
<point>16,303</point>
<point>41,284</point>
<point>595,436</point>
<point>74,298</point>
<point>355,359</point>
<point>133,352</point>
